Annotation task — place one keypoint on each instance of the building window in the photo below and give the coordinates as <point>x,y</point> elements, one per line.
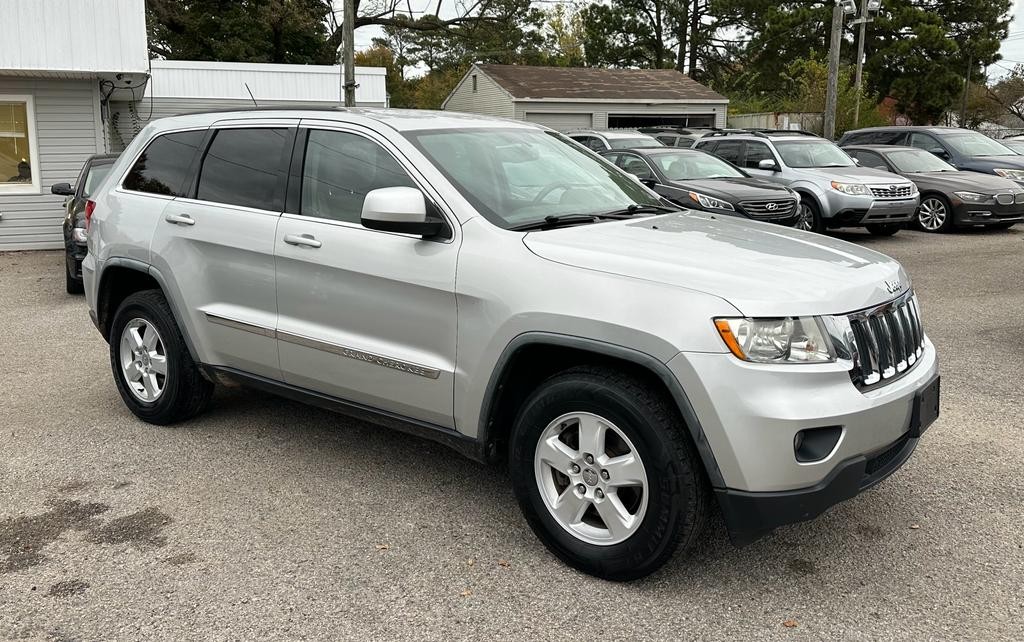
<point>19,171</point>
<point>474,83</point>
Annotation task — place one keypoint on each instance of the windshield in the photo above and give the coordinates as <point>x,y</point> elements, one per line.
<point>918,160</point>
<point>975,144</point>
<point>630,143</point>
<point>518,176</point>
<point>95,176</point>
<point>812,153</point>
<point>681,166</point>
<point>1015,145</point>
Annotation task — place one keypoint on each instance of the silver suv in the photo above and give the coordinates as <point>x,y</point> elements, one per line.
<point>492,286</point>
<point>834,191</point>
<point>603,140</point>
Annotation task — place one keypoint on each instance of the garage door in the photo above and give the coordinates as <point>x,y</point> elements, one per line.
<point>561,122</point>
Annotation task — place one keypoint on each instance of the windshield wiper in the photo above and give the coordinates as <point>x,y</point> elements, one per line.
<point>551,222</point>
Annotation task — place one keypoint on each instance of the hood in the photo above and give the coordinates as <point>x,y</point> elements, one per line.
<point>988,163</point>
<point>761,269</point>
<point>733,189</point>
<point>855,175</point>
<point>964,181</point>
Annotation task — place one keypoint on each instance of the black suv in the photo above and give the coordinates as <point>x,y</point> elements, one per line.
<point>962,148</point>
<point>700,181</point>
<point>92,174</point>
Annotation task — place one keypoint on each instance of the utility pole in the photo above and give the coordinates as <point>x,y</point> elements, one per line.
<point>831,97</point>
<point>860,59</point>
<point>967,89</point>
<point>348,47</point>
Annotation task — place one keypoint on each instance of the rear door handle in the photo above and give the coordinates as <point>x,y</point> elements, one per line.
<point>304,240</point>
<point>180,219</point>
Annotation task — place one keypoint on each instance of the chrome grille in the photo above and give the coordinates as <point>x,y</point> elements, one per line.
<point>892,191</point>
<point>773,208</point>
<point>888,341</point>
<point>1004,199</point>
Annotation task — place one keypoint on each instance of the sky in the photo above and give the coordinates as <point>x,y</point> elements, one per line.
<point>1013,47</point>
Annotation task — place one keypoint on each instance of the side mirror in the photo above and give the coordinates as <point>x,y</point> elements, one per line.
<point>399,209</point>
<point>768,164</point>
<point>62,189</point>
<point>856,161</point>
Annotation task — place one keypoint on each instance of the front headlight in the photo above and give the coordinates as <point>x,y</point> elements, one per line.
<point>711,202</point>
<point>913,188</point>
<point>1012,174</point>
<point>786,340</point>
<point>853,189</point>
<point>972,197</point>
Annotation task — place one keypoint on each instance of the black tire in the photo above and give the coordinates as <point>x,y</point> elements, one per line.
<point>884,229</point>
<point>817,223</point>
<point>678,501</point>
<point>186,392</point>
<point>71,284</point>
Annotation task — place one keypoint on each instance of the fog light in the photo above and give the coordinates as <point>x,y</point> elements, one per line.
<point>815,444</point>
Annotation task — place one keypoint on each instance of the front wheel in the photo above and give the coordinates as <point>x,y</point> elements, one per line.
<point>606,475</point>
<point>808,216</point>
<point>154,372</point>
<point>884,229</point>
<point>934,214</point>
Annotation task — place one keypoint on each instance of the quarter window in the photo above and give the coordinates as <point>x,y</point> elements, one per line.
<point>18,168</point>
<point>245,167</point>
<point>163,166</point>
<point>340,169</point>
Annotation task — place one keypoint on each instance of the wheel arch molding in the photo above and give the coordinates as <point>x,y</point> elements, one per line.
<point>507,387</point>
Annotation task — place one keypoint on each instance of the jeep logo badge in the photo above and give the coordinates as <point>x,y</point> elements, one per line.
<point>893,286</point>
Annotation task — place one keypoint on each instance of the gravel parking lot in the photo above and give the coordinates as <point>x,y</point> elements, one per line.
<point>265,519</point>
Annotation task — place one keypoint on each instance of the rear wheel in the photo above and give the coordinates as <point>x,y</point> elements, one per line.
<point>605,474</point>
<point>154,372</point>
<point>884,229</point>
<point>72,284</point>
<point>934,214</point>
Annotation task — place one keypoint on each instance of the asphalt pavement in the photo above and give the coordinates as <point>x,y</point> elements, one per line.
<point>265,519</point>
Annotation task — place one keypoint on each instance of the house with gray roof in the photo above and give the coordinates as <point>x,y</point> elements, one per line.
<point>566,98</point>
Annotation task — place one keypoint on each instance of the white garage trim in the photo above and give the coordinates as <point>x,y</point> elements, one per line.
<point>561,121</point>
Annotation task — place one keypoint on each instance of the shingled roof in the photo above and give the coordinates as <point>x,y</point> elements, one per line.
<point>592,83</point>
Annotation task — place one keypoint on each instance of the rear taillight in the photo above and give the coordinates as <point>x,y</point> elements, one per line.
<point>90,207</point>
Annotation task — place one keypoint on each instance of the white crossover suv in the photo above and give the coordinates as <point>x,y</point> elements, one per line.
<point>493,286</point>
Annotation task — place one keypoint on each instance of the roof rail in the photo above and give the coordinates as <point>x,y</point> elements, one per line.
<point>728,132</point>
<point>777,132</point>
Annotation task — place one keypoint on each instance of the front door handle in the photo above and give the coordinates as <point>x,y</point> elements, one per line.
<point>180,219</point>
<point>304,240</point>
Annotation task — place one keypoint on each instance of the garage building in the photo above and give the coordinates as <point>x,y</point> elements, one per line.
<point>566,98</point>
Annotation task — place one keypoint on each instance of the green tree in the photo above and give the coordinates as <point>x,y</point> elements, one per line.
<point>1008,94</point>
<point>630,33</point>
<point>565,35</point>
<point>275,31</point>
<point>807,81</point>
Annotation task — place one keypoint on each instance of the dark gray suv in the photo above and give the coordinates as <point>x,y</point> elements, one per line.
<point>964,149</point>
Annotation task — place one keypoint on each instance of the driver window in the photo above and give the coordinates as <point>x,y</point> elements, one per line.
<point>340,169</point>
<point>756,152</point>
<point>635,166</point>
<point>927,143</point>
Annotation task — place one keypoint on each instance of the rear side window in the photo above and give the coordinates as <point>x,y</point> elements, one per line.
<point>163,167</point>
<point>340,169</point>
<point>245,167</point>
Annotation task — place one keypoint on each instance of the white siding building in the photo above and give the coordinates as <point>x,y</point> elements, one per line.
<point>179,86</point>
<point>76,80</point>
<point>57,59</point>
<point>569,98</point>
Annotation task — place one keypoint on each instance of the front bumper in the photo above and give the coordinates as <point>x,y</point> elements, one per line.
<point>846,210</point>
<point>750,415</point>
<point>986,213</point>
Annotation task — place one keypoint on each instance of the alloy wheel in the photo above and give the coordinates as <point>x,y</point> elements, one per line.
<point>591,478</point>
<point>932,214</point>
<point>806,219</point>
<point>143,360</point>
